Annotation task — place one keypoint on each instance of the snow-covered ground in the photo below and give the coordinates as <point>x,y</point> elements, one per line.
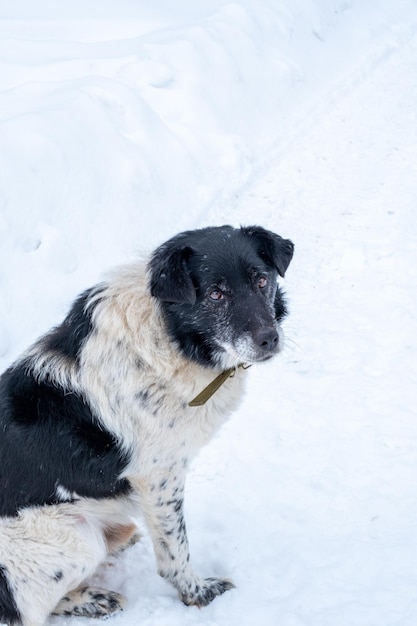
<point>123,122</point>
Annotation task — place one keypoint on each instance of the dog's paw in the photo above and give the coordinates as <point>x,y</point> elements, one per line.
<point>203,594</point>
<point>90,602</point>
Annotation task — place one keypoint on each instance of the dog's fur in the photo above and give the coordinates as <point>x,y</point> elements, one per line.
<point>95,425</point>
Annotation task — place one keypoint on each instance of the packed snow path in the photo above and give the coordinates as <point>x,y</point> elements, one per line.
<point>307,498</point>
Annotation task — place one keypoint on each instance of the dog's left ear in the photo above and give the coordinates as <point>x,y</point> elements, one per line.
<point>170,279</point>
<point>272,248</point>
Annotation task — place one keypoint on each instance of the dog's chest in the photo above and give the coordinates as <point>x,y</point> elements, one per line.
<point>140,389</point>
<point>153,420</point>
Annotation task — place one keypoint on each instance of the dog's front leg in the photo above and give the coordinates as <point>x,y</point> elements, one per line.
<point>162,504</point>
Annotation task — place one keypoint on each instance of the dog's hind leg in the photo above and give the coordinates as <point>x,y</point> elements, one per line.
<point>94,602</point>
<point>90,602</point>
<point>45,553</point>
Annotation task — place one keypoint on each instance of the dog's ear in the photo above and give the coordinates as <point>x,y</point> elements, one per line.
<point>272,248</point>
<point>170,279</point>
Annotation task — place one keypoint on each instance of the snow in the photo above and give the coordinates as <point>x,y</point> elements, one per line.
<point>124,122</point>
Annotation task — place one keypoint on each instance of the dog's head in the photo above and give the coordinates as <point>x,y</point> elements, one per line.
<point>219,293</point>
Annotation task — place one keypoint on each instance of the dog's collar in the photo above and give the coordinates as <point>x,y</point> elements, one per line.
<point>215,384</point>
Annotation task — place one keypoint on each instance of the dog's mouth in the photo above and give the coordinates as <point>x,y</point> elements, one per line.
<point>266,357</point>
<point>263,357</point>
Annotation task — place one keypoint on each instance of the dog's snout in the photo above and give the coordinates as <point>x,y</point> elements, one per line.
<point>267,339</point>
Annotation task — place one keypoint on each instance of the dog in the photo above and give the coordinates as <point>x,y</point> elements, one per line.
<point>100,418</point>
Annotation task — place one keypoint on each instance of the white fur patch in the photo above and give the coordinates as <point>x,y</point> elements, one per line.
<point>64,495</point>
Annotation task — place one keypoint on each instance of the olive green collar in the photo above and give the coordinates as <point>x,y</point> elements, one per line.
<point>215,384</point>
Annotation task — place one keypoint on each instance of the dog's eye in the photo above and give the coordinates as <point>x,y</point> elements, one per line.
<point>216,294</point>
<point>262,282</point>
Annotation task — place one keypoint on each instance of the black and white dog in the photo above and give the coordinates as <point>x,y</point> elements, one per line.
<point>100,418</point>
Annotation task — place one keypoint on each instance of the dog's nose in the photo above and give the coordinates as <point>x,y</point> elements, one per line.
<point>267,339</point>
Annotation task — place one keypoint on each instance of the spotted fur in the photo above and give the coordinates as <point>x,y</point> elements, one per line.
<point>95,421</point>
<point>90,602</point>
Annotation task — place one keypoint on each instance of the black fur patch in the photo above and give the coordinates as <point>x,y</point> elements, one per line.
<point>67,338</point>
<point>50,438</point>
<point>8,608</point>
